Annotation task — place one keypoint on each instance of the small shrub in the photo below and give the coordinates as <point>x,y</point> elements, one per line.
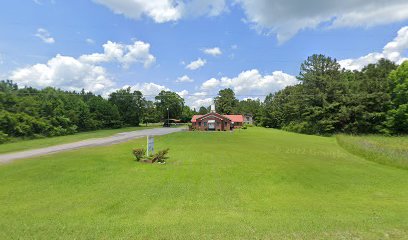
<point>139,153</point>
<point>160,156</point>
<point>244,127</point>
<point>3,137</point>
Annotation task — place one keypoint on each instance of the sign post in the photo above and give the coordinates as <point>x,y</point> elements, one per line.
<point>150,145</point>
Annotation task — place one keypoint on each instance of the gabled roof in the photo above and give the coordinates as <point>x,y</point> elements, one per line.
<point>233,118</point>
<point>194,119</point>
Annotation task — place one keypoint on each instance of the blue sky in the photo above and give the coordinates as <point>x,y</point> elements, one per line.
<point>257,46</point>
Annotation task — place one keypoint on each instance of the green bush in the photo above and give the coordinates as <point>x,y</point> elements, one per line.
<point>160,156</point>
<point>3,137</point>
<point>139,153</point>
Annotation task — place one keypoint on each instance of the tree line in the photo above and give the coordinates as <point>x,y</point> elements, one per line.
<point>327,100</point>
<point>32,113</point>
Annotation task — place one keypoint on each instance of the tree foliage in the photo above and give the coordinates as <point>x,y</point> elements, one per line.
<point>226,102</point>
<point>330,100</point>
<point>30,113</point>
<point>169,104</point>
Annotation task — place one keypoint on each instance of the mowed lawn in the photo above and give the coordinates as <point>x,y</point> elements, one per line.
<point>22,145</point>
<point>250,184</point>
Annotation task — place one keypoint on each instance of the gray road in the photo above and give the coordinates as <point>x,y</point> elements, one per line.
<point>118,138</point>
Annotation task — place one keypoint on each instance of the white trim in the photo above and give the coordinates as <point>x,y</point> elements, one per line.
<point>202,118</point>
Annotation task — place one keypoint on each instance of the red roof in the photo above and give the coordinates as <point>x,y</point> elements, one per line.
<point>194,119</point>
<point>233,118</point>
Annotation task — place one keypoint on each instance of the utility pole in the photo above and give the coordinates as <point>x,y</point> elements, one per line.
<point>168,117</point>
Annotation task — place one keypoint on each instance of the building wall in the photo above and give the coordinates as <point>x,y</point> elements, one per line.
<point>220,125</point>
<point>248,120</point>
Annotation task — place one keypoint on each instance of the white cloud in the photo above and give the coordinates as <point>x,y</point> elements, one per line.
<point>210,84</point>
<point>89,41</point>
<point>71,73</point>
<point>194,65</point>
<point>183,93</point>
<point>184,78</point>
<point>41,2</point>
<point>198,99</point>
<point>45,36</point>
<point>150,90</point>
<point>194,100</point>
<point>393,51</point>
<point>287,17</point>
<point>139,52</point>
<point>66,73</point>
<point>251,83</point>
<point>212,51</point>
<point>164,10</point>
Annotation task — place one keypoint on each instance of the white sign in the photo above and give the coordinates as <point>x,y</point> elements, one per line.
<point>150,145</point>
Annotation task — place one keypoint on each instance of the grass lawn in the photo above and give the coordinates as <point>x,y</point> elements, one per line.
<point>250,184</point>
<point>391,151</point>
<point>46,142</point>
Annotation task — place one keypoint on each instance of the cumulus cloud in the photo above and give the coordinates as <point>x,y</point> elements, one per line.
<point>138,52</point>
<point>150,90</point>
<point>251,83</point>
<point>85,72</point>
<point>194,65</point>
<point>66,73</point>
<point>198,99</point>
<point>184,78</point>
<point>45,36</point>
<point>183,93</point>
<point>212,51</point>
<point>287,17</point>
<point>164,10</point>
<point>393,51</point>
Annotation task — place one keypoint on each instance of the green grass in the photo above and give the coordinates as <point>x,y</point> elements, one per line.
<point>250,184</point>
<point>392,151</point>
<point>47,142</point>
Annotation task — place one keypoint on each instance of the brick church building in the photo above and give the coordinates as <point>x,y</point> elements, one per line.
<point>216,122</point>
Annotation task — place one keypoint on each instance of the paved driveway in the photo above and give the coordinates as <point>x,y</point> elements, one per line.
<point>118,138</point>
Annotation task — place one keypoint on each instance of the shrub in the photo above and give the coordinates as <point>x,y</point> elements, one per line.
<point>160,156</point>
<point>3,137</point>
<point>139,153</point>
<point>244,127</point>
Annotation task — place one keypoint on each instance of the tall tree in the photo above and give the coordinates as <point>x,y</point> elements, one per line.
<point>397,119</point>
<point>250,107</point>
<point>130,105</point>
<point>169,104</point>
<point>202,110</point>
<point>322,84</point>
<point>151,114</point>
<point>226,102</point>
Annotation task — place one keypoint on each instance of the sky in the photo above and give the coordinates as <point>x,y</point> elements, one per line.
<point>192,47</point>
